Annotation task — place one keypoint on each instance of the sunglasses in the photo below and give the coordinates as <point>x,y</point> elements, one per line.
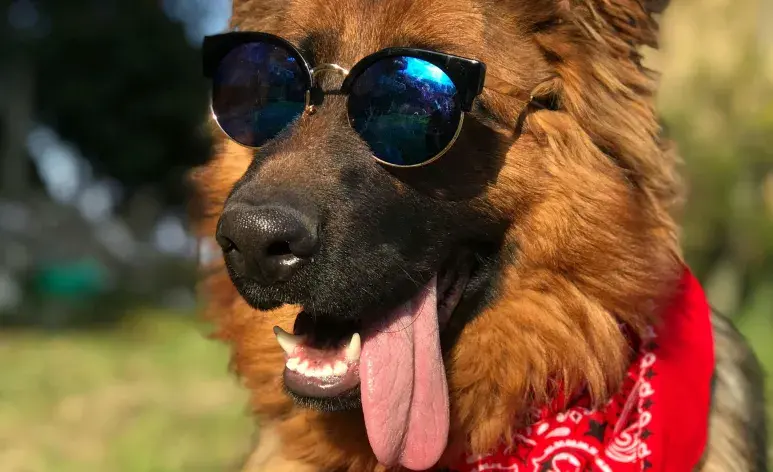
<point>407,104</point>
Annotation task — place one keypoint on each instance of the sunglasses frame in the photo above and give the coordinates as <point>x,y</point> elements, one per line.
<point>468,75</point>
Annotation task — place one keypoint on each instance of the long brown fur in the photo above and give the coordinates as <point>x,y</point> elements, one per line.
<point>591,190</point>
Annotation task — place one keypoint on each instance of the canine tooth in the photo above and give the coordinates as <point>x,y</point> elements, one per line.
<point>292,363</point>
<point>303,368</point>
<point>326,371</point>
<point>340,368</point>
<point>354,348</point>
<point>288,341</point>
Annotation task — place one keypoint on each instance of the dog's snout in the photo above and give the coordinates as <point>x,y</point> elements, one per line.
<point>267,243</point>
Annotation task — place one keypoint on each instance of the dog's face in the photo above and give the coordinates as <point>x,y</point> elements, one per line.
<point>316,221</point>
<point>530,238</point>
<point>373,235</point>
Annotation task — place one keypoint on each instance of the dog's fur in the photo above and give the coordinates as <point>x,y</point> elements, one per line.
<point>571,218</point>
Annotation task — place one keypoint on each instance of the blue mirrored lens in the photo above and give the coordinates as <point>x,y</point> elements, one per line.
<point>406,109</point>
<point>258,89</point>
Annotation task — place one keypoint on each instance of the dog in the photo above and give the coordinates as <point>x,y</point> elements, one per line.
<point>450,240</point>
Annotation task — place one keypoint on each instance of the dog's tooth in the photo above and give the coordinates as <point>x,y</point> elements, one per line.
<point>354,348</point>
<point>340,368</point>
<point>303,368</point>
<point>288,341</point>
<point>327,371</point>
<point>292,363</point>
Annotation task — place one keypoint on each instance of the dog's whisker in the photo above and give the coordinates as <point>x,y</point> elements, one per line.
<point>408,275</point>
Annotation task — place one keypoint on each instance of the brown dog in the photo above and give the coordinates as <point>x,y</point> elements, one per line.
<point>544,229</point>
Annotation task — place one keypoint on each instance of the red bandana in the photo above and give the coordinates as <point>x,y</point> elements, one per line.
<point>657,422</point>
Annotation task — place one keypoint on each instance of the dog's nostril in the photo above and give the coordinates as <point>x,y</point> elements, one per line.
<point>278,248</point>
<point>226,245</point>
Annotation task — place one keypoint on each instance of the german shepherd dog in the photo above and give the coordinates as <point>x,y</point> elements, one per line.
<point>438,215</point>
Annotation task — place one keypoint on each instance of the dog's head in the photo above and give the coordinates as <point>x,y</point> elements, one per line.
<point>544,226</point>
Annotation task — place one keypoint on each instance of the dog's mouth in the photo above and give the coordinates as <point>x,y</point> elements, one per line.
<point>392,366</point>
<point>323,353</point>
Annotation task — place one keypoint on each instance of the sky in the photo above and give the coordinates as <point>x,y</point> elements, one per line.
<point>201,17</point>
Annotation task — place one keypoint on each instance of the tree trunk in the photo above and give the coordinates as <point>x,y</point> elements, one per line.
<point>16,109</point>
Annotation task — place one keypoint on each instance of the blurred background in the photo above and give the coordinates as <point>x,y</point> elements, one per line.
<point>101,103</point>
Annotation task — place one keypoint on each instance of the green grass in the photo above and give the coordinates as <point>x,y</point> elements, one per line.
<point>150,396</point>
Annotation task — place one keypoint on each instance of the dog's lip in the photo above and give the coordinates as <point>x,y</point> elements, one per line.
<point>450,290</point>
<point>331,386</point>
<point>320,372</point>
<point>332,371</point>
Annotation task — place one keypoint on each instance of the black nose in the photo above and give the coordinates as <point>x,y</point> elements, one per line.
<point>267,243</point>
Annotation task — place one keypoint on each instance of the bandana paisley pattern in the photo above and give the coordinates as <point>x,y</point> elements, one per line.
<point>660,412</point>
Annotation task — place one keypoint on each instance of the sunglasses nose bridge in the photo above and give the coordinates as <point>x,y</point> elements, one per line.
<point>318,90</point>
<point>334,68</point>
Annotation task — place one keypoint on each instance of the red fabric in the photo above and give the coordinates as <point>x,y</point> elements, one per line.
<point>657,422</point>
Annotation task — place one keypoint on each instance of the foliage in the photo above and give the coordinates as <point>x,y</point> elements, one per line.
<point>119,79</point>
<point>719,109</point>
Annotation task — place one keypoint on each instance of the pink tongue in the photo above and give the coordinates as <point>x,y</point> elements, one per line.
<point>403,383</point>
